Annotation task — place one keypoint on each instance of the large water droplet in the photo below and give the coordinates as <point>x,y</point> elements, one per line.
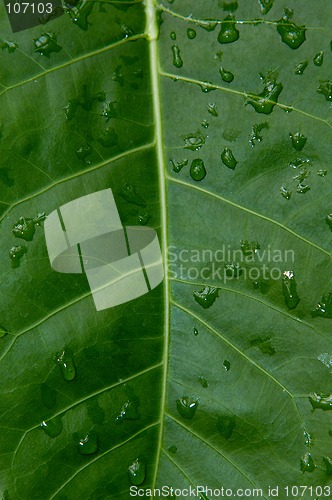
<point>178,165</point>
<point>187,407</point>
<point>226,425</point>
<point>322,172</point>
<point>194,141</point>
<point>207,87</point>
<point>265,6</point>
<point>228,30</point>
<point>79,14</point>
<point>301,66</point>
<point>266,100</point>
<point>212,109</point>
<point>128,192</point>
<point>52,428</point>
<point>226,76</point>
<point>256,135</point>
<point>289,290</point>
<point>302,188</point>
<point>46,44</point>
<point>16,254</point>
<point>25,227</point>
<point>197,170</point>
<point>191,33</point>
<point>89,444</point>
<point>291,34</point>
<point>298,140</point>
<point>307,464</point>
<point>129,411</point>
<point>322,401</point>
<point>137,471</point>
<point>228,159</point>
<point>324,307</point>
<point>8,45</point>
<point>206,297</point>
<point>264,345</point>
<point>325,88</point>
<point>65,359</point>
<point>319,59</point>
<point>177,60</point>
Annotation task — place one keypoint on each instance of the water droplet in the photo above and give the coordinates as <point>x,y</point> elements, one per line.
<point>195,331</point>
<point>8,45</point>
<point>302,188</point>
<point>226,365</point>
<point>233,270</point>
<point>307,463</point>
<point>178,165</point>
<point>207,87</point>
<point>289,290</point>
<point>79,14</point>
<point>197,170</point>
<point>207,24</point>
<point>249,248</point>
<point>137,471</point>
<point>322,172</point>
<point>129,411</point>
<point>266,100</point>
<point>324,307</point>
<point>218,56</point>
<point>3,332</point>
<point>144,218</point>
<point>291,34</point>
<point>206,297</point>
<point>319,59</point>
<point>126,31</point>
<point>228,158</point>
<point>328,220</point>
<point>52,428</point>
<point>108,138</point>
<point>304,173</point>
<point>326,359</point>
<point>172,449</point>
<point>46,44</point>
<point>298,140</point>
<point>256,135</point>
<point>301,66</point>
<point>205,124</point>
<point>194,141</point>
<point>85,101</point>
<point>89,444</point>
<point>187,407</point>
<point>83,152</point>
<point>226,425</point>
<point>265,6</point>
<point>328,466</point>
<point>118,76</point>
<point>16,254</point>
<point>65,360</point>
<point>226,76</point>
<point>264,345</point>
<point>285,192</point>
<point>231,135</point>
<point>25,227</point>
<point>322,401</point>
<point>191,33</point>
<point>212,109</point>
<point>172,35</point>
<point>48,396</point>
<point>128,192</point>
<point>109,111</point>
<point>177,60</point>
<point>228,30</point>
<point>325,88</point>
<point>203,382</point>
<point>308,440</point>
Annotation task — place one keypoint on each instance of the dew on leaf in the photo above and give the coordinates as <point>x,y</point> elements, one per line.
<point>79,14</point>
<point>16,254</point>
<point>128,192</point>
<point>319,59</point>
<point>8,45</point>
<point>228,159</point>
<point>326,359</point>
<point>205,124</point>
<point>3,332</point>
<point>328,220</point>
<point>249,248</point>
<point>52,428</point>
<point>298,140</point>
<point>324,307</point>
<point>289,290</point>
<point>108,138</point>
<point>226,425</point>
<point>89,444</point>
<point>325,88</point>
<point>226,76</point>
<point>143,218</point>
<point>207,24</point>
<point>285,192</point>
<point>195,331</point>
<point>233,270</point>
<point>308,440</point>
<point>218,56</point>
<point>137,471</point>
<point>212,109</point>
<point>203,382</point>
<point>85,101</point>
<point>256,135</point>
<point>191,33</point>
<point>65,359</point>
<point>321,401</point>
<point>328,465</point>
<point>129,411</point>
<point>177,60</point>
<point>187,407</point>
<point>194,141</point>
<point>304,173</point>
<point>322,172</point>
<point>268,98</point>
<point>226,364</point>
<point>228,30</point>
<point>265,6</point>
<point>172,449</point>
<point>300,67</point>
<point>46,44</point>
<point>207,87</point>
<point>25,226</point>
<point>109,111</point>
<point>83,152</point>
<point>206,297</point>
<point>197,170</point>
<point>264,345</point>
<point>177,166</point>
<point>291,34</point>
<point>172,35</point>
<point>126,31</point>
<point>307,464</point>
<point>302,188</point>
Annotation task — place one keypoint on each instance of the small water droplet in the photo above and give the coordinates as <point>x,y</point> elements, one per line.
<point>79,13</point>
<point>197,170</point>
<point>321,401</point>
<point>109,110</point>
<point>205,124</point>
<point>83,152</point>
<point>307,463</point>
<point>172,449</point>
<point>207,24</point>
<point>126,31</point>
<point>302,188</point>
<point>46,44</point>
<point>85,101</point>
<point>187,407</point>
<point>226,425</point>
<point>195,331</point>
<point>298,140</point>
<point>3,332</point>
<point>233,270</point>
<point>328,220</point>
<point>291,34</point>
<point>206,297</point>
<point>226,365</point>
<point>52,428</point>
<point>256,135</point>
<point>249,248</point>
<point>326,359</point>
<point>172,35</point>
<point>177,60</point>
<point>89,444</point>
<point>143,218</point>
<point>289,290</point>
<point>194,141</point>
<point>129,411</point>
<point>264,345</point>
<point>178,165</point>
<point>108,138</point>
<point>322,172</point>
<point>319,59</point>
<point>128,192</point>
<point>137,471</point>
<point>226,76</point>
<point>228,30</point>
<point>301,66</point>
<point>207,87</point>
<point>8,45</point>
<point>228,159</point>
<point>324,307</point>
<point>212,109</point>
<point>191,33</point>
<point>65,359</point>
<point>266,100</point>
<point>203,382</point>
<point>328,466</point>
<point>16,254</point>
<point>231,135</point>
<point>285,192</point>
<point>265,6</point>
<point>325,88</point>
<point>118,76</point>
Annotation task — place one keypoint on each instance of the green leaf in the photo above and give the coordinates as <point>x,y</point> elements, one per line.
<point>210,122</point>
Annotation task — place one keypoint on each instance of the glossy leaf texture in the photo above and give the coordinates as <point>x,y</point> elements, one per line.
<point>210,122</point>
